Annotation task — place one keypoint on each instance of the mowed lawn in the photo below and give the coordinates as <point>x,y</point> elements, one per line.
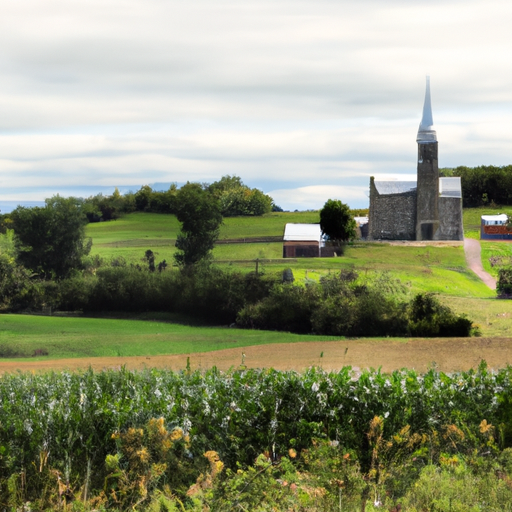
<point>72,337</point>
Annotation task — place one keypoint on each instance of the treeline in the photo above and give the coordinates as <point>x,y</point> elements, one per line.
<point>485,185</point>
<point>340,304</point>
<point>234,197</point>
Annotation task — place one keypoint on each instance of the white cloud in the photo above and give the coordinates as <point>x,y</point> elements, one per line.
<point>289,95</point>
<point>314,197</point>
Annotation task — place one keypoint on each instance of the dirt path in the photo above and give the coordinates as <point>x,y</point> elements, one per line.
<point>449,354</point>
<point>473,257</point>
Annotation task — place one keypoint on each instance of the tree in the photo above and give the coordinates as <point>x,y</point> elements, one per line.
<point>50,240</point>
<point>200,217</point>
<point>238,199</point>
<point>337,222</point>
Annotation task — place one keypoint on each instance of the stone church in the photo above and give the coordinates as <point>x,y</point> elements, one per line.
<point>429,208</point>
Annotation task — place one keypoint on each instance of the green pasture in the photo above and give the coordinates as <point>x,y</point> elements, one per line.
<point>433,269</point>
<point>153,335</point>
<point>75,337</point>
<point>132,235</point>
<point>440,270</point>
<point>491,315</point>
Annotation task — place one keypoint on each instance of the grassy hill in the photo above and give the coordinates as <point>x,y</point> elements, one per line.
<point>434,269</point>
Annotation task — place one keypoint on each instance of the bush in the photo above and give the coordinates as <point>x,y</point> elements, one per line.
<point>504,284</point>
<point>287,308</point>
<point>429,318</point>
<point>337,306</point>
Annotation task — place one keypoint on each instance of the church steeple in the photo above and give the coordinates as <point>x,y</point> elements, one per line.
<point>427,191</point>
<point>426,132</point>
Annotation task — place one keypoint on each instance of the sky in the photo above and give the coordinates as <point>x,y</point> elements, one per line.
<point>303,99</point>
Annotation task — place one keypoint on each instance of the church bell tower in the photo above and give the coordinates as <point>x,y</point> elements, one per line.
<point>427,208</point>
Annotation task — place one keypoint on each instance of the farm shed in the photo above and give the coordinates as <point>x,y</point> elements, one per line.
<point>302,240</point>
<point>494,227</point>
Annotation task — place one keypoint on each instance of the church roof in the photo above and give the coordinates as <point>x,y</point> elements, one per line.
<point>450,187</point>
<point>426,132</point>
<point>394,187</point>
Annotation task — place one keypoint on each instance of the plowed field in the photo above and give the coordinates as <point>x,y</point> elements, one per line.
<point>448,354</point>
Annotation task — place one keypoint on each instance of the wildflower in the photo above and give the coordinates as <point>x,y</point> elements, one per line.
<point>176,434</point>
<point>292,453</point>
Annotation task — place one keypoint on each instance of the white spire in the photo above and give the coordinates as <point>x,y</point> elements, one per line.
<point>426,132</point>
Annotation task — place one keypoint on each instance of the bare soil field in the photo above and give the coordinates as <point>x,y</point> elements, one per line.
<point>447,354</point>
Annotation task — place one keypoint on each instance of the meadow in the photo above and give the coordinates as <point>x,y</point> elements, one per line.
<point>23,336</point>
<point>438,269</point>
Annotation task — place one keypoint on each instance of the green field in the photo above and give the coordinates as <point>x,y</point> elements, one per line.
<point>70,337</point>
<point>131,235</point>
<point>433,269</point>
<point>438,269</point>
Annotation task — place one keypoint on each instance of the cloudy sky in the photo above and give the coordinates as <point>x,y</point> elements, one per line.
<point>304,99</point>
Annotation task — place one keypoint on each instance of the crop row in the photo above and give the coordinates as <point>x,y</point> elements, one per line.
<point>68,420</point>
<point>239,413</point>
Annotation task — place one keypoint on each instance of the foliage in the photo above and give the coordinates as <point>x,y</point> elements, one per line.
<point>200,217</point>
<point>234,197</point>
<point>344,306</point>
<point>16,288</point>
<point>504,284</point>
<point>484,185</point>
<point>104,208</point>
<point>50,240</point>
<point>337,222</point>
<point>237,199</point>
<point>253,439</point>
<point>429,318</point>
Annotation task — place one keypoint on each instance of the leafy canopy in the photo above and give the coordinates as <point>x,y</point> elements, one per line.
<point>50,240</point>
<point>337,222</point>
<point>200,217</point>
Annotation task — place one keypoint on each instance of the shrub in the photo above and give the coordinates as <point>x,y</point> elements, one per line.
<point>287,308</point>
<point>429,318</point>
<point>504,284</point>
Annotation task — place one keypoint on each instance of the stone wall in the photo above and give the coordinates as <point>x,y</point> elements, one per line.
<point>427,214</point>
<point>391,216</point>
<point>450,219</point>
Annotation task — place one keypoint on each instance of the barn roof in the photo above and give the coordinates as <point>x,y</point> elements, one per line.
<point>502,217</point>
<point>302,233</point>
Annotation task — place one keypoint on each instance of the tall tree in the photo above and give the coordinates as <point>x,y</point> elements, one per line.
<point>50,240</point>
<point>200,217</point>
<point>337,222</point>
